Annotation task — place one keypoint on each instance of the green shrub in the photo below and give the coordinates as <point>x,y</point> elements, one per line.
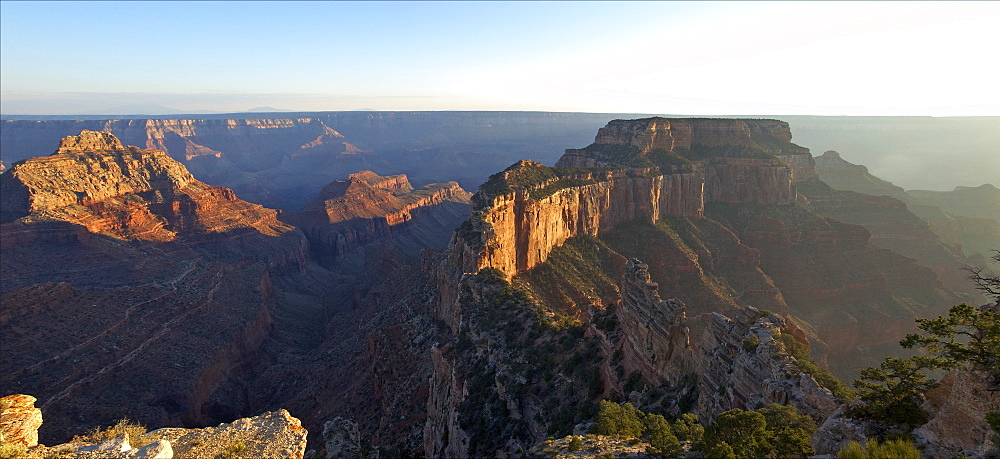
<point>790,430</point>
<point>744,431</point>
<point>687,428</point>
<point>662,440</point>
<point>575,444</point>
<point>615,419</point>
<point>750,343</point>
<point>720,450</point>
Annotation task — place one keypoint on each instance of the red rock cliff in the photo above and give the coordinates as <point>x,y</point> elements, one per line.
<point>134,194</point>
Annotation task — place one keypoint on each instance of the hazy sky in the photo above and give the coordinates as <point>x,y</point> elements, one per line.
<point>821,58</point>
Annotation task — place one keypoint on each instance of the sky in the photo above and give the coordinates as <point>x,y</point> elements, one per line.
<point>690,58</point>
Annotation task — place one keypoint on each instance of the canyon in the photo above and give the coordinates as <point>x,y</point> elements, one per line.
<point>824,278</point>
<point>681,264</point>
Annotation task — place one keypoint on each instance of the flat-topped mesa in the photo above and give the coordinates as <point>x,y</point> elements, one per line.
<point>367,195</point>
<point>635,170</point>
<point>668,142</point>
<point>393,183</point>
<point>740,160</point>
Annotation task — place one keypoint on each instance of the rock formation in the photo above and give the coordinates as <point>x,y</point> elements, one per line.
<point>133,194</point>
<point>367,208</point>
<point>19,420</point>
<point>958,408</point>
<point>274,434</point>
<point>740,362</point>
<point>121,261</point>
<point>748,240</point>
<point>657,330</point>
<point>529,209</point>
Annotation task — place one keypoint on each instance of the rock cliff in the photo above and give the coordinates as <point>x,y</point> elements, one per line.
<point>656,330</point>
<point>958,407</point>
<point>367,208</point>
<point>740,361</point>
<point>133,194</point>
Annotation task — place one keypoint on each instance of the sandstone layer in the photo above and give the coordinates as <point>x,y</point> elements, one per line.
<point>133,194</point>
<point>368,208</point>
<point>19,420</point>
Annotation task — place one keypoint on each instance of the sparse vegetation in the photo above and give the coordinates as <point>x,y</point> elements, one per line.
<point>969,338</point>
<point>232,451</point>
<point>575,444</point>
<point>130,429</point>
<point>892,449</point>
<point>10,451</point>
<point>806,365</point>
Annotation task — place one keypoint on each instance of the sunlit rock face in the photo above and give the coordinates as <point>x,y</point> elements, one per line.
<point>368,208</point>
<point>127,193</point>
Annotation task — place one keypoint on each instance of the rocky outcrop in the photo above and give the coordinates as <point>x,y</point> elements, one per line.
<point>341,438</point>
<point>274,434</point>
<point>958,407</point>
<point>740,362</point>
<point>133,194</point>
<point>19,420</point>
<point>656,330</point>
<point>743,364</point>
<point>443,437</point>
<point>368,208</point>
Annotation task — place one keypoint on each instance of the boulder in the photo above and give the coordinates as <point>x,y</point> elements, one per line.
<point>20,420</point>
